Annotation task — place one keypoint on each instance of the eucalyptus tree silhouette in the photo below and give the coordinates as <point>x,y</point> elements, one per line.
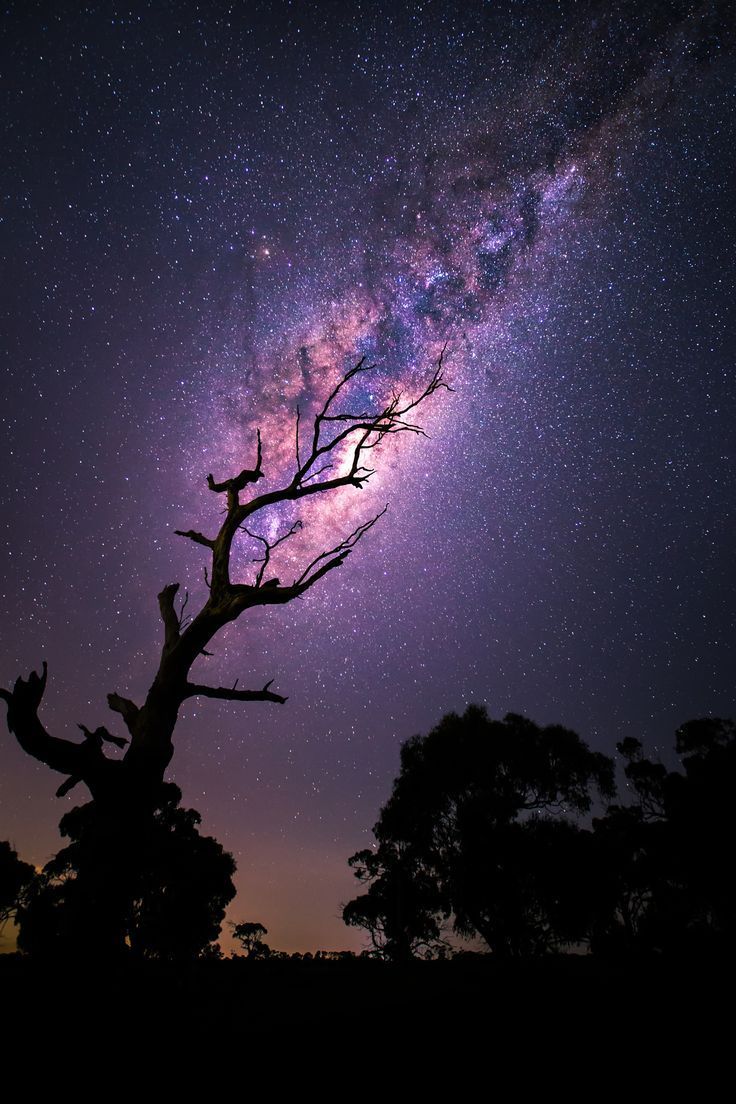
<point>126,790</point>
<point>15,876</point>
<point>666,859</point>
<point>250,934</point>
<point>474,829</point>
<point>167,901</point>
<point>404,907</point>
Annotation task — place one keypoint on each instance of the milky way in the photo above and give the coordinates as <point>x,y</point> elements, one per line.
<point>208,217</point>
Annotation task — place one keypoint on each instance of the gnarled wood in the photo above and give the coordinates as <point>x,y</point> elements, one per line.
<point>151,725</point>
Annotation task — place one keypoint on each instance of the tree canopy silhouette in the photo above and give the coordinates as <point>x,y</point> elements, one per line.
<point>475,830</point>
<point>403,908</point>
<point>127,789</point>
<point>665,866</point>
<point>166,890</point>
<point>15,876</point>
<point>249,934</point>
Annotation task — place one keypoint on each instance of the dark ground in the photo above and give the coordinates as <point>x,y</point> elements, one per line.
<point>567,1001</point>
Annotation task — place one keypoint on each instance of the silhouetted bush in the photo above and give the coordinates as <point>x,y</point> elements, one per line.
<point>166,888</point>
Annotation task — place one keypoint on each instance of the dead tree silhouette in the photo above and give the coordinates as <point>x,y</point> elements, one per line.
<point>125,789</point>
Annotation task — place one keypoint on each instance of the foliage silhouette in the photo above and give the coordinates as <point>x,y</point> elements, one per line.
<point>15,877</point>
<point>167,889</point>
<point>126,789</point>
<point>474,829</point>
<point>250,935</point>
<point>667,859</point>
<point>402,910</point>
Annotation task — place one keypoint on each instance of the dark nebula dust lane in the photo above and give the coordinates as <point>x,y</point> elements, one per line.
<point>207,217</point>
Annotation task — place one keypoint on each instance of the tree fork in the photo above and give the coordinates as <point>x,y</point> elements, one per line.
<point>127,787</point>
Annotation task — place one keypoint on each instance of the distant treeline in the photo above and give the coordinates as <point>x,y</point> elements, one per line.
<point>503,832</point>
<point>489,833</point>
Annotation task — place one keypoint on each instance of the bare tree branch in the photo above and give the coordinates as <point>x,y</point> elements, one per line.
<point>343,547</point>
<point>233,486</point>
<point>182,616</point>
<point>102,735</point>
<point>271,593</point>
<point>127,709</point>
<point>371,427</point>
<point>324,468</point>
<point>361,366</point>
<point>269,547</point>
<point>198,538</point>
<point>169,615</point>
<point>191,689</point>
<point>360,432</point>
<point>64,756</point>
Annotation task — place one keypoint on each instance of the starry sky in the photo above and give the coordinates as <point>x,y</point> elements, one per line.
<point>211,211</point>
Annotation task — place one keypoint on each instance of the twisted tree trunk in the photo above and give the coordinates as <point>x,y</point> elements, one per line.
<point>125,790</point>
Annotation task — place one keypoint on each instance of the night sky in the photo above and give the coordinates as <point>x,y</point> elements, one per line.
<point>210,211</point>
